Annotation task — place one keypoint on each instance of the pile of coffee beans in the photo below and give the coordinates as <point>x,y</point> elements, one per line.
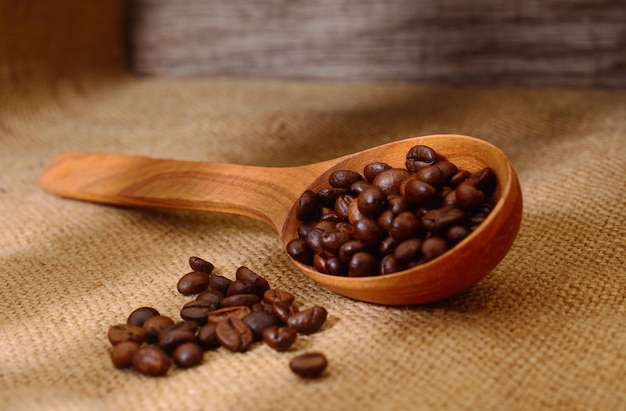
<point>388,219</point>
<point>229,313</point>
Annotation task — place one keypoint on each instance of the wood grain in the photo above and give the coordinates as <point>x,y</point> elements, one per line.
<point>549,42</point>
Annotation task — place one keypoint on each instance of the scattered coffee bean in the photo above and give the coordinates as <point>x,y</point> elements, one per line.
<point>126,332</point>
<point>234,335</point>
<point>309,320</point>
<point>238,311</point>
<point>206,336</point>
<point>240,299</point>
<point>154,325</point>
<point>122,354</point>
<point>278,296</point>
<point>200,264</point>
<point>258,321</point>
<point>188,354</point>
<point>308,365</point>
<point>197,310</point>
<point>193,283</point>
<point>172,339</point>
<point>280,338</point>
<point>259,283</point>
<point>152,361</point>
<point>140,315</point>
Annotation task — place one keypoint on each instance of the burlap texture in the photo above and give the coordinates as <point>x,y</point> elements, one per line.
<point>545,330</point>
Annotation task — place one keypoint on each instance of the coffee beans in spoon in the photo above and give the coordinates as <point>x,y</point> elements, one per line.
<point>390,217</point>
<point>234,314</point>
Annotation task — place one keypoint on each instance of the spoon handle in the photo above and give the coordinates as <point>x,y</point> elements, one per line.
<point>263,193</point>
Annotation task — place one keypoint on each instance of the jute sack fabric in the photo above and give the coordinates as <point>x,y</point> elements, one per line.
<point>545,330</point>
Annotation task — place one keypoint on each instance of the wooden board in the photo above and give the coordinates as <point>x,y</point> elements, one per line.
<point>550,42</point>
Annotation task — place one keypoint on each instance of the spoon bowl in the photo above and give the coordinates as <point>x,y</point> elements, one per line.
<point>270,194</point>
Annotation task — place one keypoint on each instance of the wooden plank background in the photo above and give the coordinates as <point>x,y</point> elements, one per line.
<point>482,42</point>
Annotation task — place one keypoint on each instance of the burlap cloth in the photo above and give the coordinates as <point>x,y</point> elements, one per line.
<point>545,330</point>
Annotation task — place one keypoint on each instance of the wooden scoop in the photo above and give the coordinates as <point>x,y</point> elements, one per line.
<point>270,194</point>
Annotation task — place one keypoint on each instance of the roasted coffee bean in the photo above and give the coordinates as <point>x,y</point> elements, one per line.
<point>384,220</point>
<point>433,247</point>
<point>420,156</point>
<point>240,287</point>
<point>440,219</point>
<point>126,332</point>
<point>459,177</point>
<point>328,195</point>
<point>309,207</point>
<point>200,264</point>
<point>457,233</point>
<point>234,335</point>
<point>405,225</point>
<point>433,175</point>
<point>387,245</point>
<point>389,264</point>
<point>332,242</point>
<point>219,283</point>
<point>260,320</point>
<point>314,240</point>
<point>309,320</point>
<point>335,266</point>
<point>122,354</point>
<point>319,263</point>
<point>450,200</point>
<point>363,264</point>
<point>371,201</point>
<point>211,296</point>
<point>228,312</point>
<point>240,299</point>
<point>358,186</point>
<point>342,206</point>
<point>260,284</point>
<point>188,355</point>
<point>300,251</point>
<point>193,283</point>
<point>390,180</point>
<point>279,338</point>
<point>349,248</point>
<point>274,296</point>
<point>484,180</point>
<point>418,192</point>
<point>140,315</point>
<point>206,336</point>
<point>172,339</point>
<point>398,204</point>
<point>371,170</point>
<point>354,214</point>
<point>308,365</point>
<point>154,325</point>
<point>197,310</point>
<point>343,178</point>
<point>368,231</point>
<point>151,361</point>
<point>408,250</point>
<point>304,228</point>
<point>282,311</point>
<point>469,197</point>
<point>331,216</point>
<point>184,325</point>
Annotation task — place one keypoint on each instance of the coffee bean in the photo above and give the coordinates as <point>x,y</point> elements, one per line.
<point>363,264</point>
<point>440,219</point>
<point>240,299</point>
<point>390,264</point>
<point>151,361</point>
<point>258,321</point>
<point>389,181</point>
<point>308,365</point>
<point>332,242</point>
<point>228,312</point>
<point>309,320</point>
<point>219,283</point>
<point>398,204</point>
<point>309,207</point>
<point>372,201</point>
<point>188,354</point>
<point>206,336</point>
<point>185,325</point>
<point>172,339</point>
<point>371,170</point>
<point>405,225</point>
<point>417,192</point>
<point>457,233</point>
<point>234,335</point>
<point>211,296</point>
<point>469,197</point>
<point>279,338</point>
<point>122,354</point>
<point>278,296</point>
<point>387,245</point>
<point>420,156</point>
<point>368,231</point>
<point>140,315</point>
<point>126,332</point>
<point>484,180</point>
<point>200,264</point>
<point>300,251</point>
<point>247,275</point>
<point>281,311</point>
<point>154,325</point>
<point>349,248</point>
<point>459,177</point>
<point>240,287</point>
<point>343,178</point>
<point>197,310</point>
<point>328,195</point>
<point>433,247</point>
<point>193,283</point>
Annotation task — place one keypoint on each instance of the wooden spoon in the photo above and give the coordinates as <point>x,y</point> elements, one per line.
<point>270,194</point>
